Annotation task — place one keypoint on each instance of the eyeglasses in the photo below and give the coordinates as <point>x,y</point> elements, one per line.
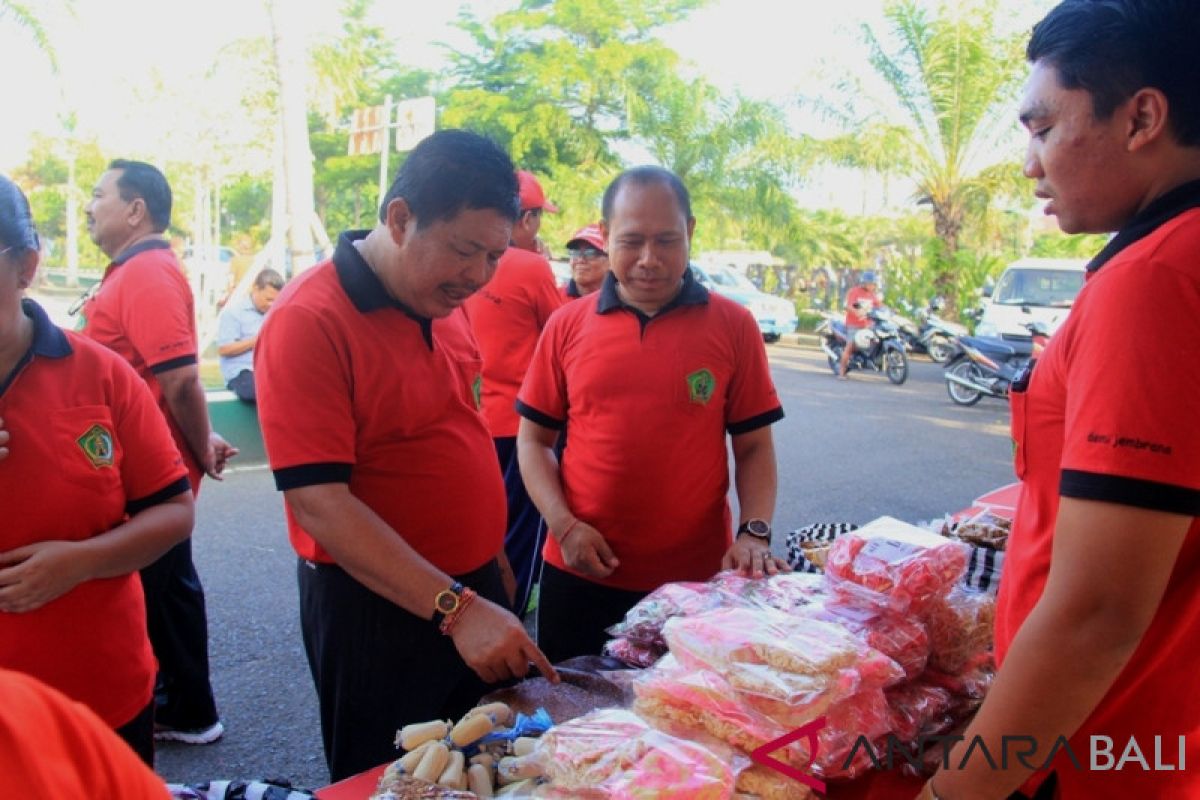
<point>586,253</point>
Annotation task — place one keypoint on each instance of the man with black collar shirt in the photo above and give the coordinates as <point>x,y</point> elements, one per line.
<point>1096,622</point>
<point>143,310</point>
<point>649,374</point>
<point>394,501</point>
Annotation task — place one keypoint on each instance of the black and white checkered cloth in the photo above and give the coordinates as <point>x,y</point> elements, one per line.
<point>817,532</point>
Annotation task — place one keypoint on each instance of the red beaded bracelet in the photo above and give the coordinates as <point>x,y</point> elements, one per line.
<point>448,623</point>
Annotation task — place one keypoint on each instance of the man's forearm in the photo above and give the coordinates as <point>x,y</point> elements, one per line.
<point>755,474</point>
<point>188,407</point>
<point>543,481</point>
<point>237,348</point>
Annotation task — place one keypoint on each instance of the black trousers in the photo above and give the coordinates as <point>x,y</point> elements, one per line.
<point>377,667</point>
<point>177,621</point>
<point>138,733</point>
<point>526,533</point>
<point>242,385</point>
<point>573,614</point>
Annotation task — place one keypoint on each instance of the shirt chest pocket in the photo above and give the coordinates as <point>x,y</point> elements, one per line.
<point>89,453</point>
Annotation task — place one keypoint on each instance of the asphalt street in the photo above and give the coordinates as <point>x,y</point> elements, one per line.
<point>848,452</point>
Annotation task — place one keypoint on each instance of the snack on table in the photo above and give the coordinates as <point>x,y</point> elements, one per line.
<point>893,566</point>
<point>619,752</point>
<point>644,622</point>
<point>635,654</point>
<point>985,529</point>
<point>919,708</point>
<point>960,628</point>
<point>406,787</point>
<point>900,638</point>
<point>767,784</point>
<point>787,591</point>
<point>795,659</point>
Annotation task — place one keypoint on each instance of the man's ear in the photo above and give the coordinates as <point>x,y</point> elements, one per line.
<point>691,228</point>
<point>1147,111</point>
<point>397,218</point>
<point>138,213</point>
<point>27,268</point>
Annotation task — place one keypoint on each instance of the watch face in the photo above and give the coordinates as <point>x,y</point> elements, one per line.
<point>446,601</point>
<point>758,527</point>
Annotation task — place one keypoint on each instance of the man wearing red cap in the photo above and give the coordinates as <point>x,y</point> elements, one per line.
<point>589,262</point>
<point>507,317</point>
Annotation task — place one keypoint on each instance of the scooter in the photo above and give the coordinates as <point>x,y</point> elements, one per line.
<point>878,348</point>
<point>931,334</point>
<point>987,366</point>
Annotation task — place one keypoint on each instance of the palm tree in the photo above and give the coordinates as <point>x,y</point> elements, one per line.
<point>954,77</point>
<point>31,23</point>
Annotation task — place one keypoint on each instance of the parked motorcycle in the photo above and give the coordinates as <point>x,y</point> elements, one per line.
<point>930,334</point>
<point>878,348</point>
<point>987,366</point>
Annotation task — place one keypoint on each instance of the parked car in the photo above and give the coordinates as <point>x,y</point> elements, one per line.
<point>775,315</point>
<point>1031,290</point>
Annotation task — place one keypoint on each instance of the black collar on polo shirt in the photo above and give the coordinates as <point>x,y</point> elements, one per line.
<point>690,294</point>
<point>363,287</point>
<point>1161,210</point>
<point>48,342</point>
<point>573,288</point>
<point>140,247</point>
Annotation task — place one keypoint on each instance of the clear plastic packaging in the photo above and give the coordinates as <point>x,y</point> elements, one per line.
<point>900,638</point>
<point>644,622</point>
<point>619,755</point>
<point>961,628</point>
<point>893,566</point>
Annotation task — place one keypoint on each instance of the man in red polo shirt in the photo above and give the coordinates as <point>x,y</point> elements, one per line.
<point>367,372</point>
<point>648,374</point>
<point>507,316</point>
<point>1099,607</point>
<point>143,311</point>
<point>589,262</point>
<point>860,300</point>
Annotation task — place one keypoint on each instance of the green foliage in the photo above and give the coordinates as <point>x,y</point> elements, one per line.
<point>1061,245</point>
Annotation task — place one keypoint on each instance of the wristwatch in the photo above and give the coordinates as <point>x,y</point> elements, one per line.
<point>446,603</point>
<point>758,528</point>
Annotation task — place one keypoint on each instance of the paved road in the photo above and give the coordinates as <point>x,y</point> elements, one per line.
<point>848,451</point>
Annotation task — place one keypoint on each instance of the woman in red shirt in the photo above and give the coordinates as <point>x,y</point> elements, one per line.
<point>92,488</point>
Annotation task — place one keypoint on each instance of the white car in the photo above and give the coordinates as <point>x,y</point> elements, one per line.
<point>775,315</point>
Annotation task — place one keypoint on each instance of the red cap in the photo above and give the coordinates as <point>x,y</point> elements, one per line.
<point>589,234</point>
<point>531,192</point>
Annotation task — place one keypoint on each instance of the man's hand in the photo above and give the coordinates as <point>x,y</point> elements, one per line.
<point>35,574</point>
<point>3,441</point>
<point>219,452</point>
<point>495,645</point>
<point>752,557</point>
<point>585,550</point>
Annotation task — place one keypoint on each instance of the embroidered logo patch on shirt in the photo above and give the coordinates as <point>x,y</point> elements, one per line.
<point>701,385</point>
<point>97,445</point>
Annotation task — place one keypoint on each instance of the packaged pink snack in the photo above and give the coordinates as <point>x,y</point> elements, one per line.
<point>865,715</point>
<point>918,708</point>
<point>617,753</point>
<point>787,591</point>
<point>635,654</point>
<point>893,566</point>
<point>900,638</point>
<point>644,622</point>
<point>798,660</point>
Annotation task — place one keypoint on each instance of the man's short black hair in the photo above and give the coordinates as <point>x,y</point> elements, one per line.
<point>1113,48</point>
<point>139,179</point>
<point>268,277</point>
<point>643,176</point>
<point>16,220</point>
<point>452,171</point>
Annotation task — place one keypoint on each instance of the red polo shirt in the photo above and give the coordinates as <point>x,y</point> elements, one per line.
<point>569,291</point>
<point>51,747</point>
<point>648,401</point>
<point>507,317</point>
<point>1110,415</point>
<point>88,447</point>
<point>144,312</point>
<point>856,294</point>
<point>353,388</point>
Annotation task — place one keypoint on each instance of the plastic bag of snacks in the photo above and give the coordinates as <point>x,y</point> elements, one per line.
<point>893,566</point>
<point>900,638</point>
<point>787,591</point>
<point>635,654</point>
<point>918,708</point>
<point>808,547</point>
<point>644,622</point>
<point>803,662</point>
<point>960,629</point>
<point>620,754</point>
